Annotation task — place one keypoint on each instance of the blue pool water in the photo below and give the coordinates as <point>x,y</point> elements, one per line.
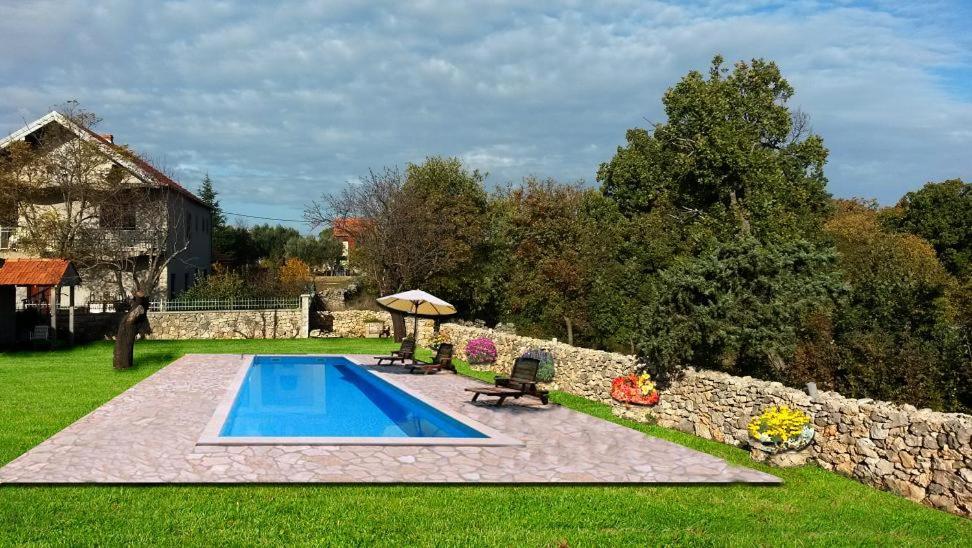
<point>299,396</point>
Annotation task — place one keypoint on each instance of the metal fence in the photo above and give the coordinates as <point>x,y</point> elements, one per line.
<point>180,305</point>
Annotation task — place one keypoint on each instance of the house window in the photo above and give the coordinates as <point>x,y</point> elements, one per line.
<point>117,216</point>
<point>172,287</point>
<point>187,281</point>
<point>188,224</point>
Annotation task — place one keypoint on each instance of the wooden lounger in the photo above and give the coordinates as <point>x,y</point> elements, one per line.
<point>498,391</point>
<point>521,382</point>
<point>442,360</point>
<point>524,378</point>
<point>406,352</point>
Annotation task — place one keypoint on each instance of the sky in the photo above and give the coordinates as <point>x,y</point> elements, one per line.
<point>284,102</point>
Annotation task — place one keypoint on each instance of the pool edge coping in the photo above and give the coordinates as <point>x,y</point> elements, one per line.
<point>210,434</point>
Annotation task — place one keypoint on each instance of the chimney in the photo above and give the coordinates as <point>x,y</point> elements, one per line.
<point>109,137</point>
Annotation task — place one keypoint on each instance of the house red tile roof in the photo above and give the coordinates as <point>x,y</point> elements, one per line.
<point>38,272</point>
<point>149,169</point>
<point>349,227</point>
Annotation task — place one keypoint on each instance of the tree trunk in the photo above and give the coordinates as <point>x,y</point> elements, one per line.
<point>398,325</point>
<point>740,215</point>
<point>570,330</point>
<point>134,321</point>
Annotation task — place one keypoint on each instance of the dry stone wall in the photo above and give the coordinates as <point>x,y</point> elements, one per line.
<point>369,323</point>
<point>229,324</point>
<point>923,455</point>
<point>580,371</point>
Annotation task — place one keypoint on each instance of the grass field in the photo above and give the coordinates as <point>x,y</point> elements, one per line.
<point>43,392</point>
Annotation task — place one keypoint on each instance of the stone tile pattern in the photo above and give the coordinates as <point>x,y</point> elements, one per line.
<point>920,454</point>
<point>148,435</point>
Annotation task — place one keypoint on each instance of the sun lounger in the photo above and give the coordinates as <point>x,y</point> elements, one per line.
<point>442,360</point>
<point>521,382</point>
<point>406,352</point>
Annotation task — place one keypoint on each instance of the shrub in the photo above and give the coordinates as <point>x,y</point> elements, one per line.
<point>294,275</point>
<point>735,308</point>
<point>480,351</point>
<point>546,371</point>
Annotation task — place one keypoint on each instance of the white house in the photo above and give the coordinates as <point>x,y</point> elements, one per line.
<point>183,211</point>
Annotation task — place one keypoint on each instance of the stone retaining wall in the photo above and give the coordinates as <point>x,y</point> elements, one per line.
<point>229,324</point>
<point>580,371</point>
<point>369,323</point>
<point>923,455</point>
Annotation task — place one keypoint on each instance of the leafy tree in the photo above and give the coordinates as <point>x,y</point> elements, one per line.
<point>447,203</point>
<point>639,249</point>
<point>270,241</point>
<point>736,307</point>
<point>940,213</point>
<point>207,193</point>
<point>424,227</point>
<point>900,335</point>
<point>553,257</point>
<point>322,250</point>
<point>234,246</point>
<point>731,155</point>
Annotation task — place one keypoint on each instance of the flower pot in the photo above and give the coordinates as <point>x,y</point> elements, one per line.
<point>794,452</point>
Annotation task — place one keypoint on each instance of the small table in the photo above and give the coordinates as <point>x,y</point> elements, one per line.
<point>498,391</point>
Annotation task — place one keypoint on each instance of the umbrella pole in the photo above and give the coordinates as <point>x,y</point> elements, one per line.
<point>415,331</point>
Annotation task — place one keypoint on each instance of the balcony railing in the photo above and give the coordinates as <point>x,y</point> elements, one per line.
<point>108,239</point>
<point>125,238</point>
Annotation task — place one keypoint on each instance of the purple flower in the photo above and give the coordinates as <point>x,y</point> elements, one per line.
<point>480,351</point>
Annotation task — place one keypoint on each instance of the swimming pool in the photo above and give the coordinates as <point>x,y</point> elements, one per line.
<point>330,399</point>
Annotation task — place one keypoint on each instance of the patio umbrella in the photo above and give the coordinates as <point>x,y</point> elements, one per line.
<point>417,303</point>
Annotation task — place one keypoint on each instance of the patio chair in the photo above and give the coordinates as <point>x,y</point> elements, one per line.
<point>521,382</point>
<point>405,352</point>
<point>41,334</point>
<point>442,360</point>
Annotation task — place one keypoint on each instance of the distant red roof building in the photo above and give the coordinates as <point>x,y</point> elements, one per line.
<point>348,230</point>
<point>38,272</point>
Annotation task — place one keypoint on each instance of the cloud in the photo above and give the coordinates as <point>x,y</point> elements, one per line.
<point>281,102</point>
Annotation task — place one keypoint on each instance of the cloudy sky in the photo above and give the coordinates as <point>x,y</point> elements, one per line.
<point>281,103</point>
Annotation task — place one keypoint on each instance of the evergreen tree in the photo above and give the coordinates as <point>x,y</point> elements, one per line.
<point>208,195</point>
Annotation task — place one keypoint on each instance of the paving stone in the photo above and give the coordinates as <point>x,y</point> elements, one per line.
<point>148,434</point>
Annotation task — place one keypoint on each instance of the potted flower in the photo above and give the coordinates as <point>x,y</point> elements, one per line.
<point>780,436</point>
<point>481,352</point>
<point>546,371</point>
<point>635,389</point>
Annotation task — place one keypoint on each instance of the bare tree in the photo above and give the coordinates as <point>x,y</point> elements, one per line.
<point>411,228</point>
<point>79,196</point>
<point>373,205</point>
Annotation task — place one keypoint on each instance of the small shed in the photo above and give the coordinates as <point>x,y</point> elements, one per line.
<point>46,277</point>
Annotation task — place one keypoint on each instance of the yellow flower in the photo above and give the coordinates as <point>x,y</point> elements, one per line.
<point>778,424</point>
<point>644,382</point>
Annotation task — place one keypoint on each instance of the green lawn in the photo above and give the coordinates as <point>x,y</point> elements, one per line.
<point>42,393</point>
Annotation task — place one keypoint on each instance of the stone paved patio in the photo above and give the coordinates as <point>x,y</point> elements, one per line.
<point>148,434</point>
